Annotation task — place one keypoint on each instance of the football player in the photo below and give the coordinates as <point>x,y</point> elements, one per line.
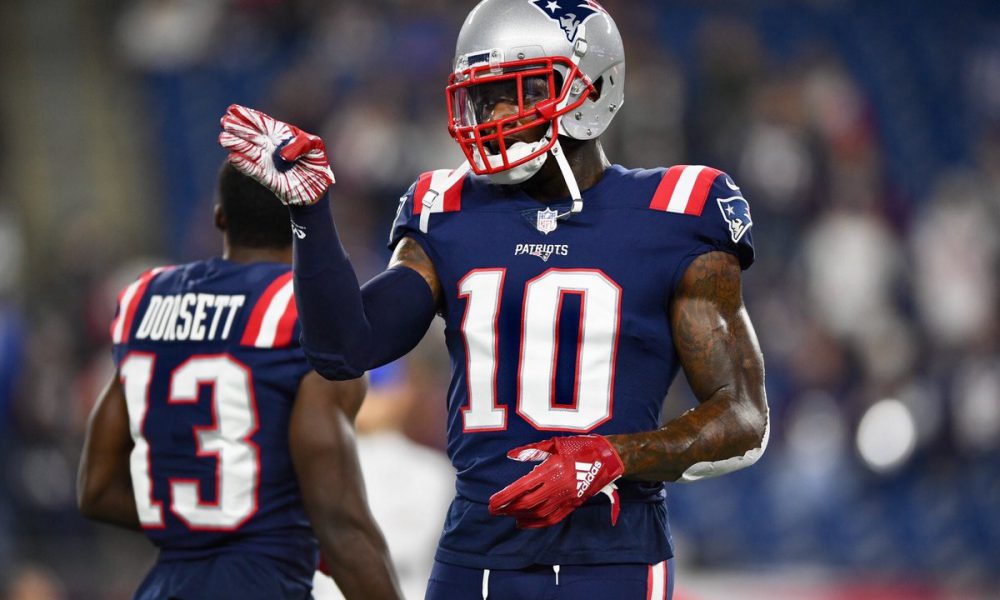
<point>572,289</point>
<point>217,439</point>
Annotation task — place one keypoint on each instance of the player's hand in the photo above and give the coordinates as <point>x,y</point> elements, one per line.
<point>572,470</point>
<point>281,157</point>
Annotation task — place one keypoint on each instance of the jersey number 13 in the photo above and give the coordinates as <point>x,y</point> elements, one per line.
<point>227,440</point>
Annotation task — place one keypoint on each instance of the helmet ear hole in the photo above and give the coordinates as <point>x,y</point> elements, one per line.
<point>598,88</point>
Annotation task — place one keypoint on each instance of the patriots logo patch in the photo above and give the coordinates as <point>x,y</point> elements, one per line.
<point>569,14</point>
<point>736,212</point>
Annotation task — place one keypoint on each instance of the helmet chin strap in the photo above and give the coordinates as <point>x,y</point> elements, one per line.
<point>570,178</point>
<point>521,173</point>
<point>579,49</point>
<point>567,172</point>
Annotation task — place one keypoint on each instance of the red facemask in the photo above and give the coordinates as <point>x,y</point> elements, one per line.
<point>493,106</point>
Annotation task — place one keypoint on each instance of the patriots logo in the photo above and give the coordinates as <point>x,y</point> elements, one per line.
<point>569,14</point>
<point>541,253</point>
<point>736,212</point>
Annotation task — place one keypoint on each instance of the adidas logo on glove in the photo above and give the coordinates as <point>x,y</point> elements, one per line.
<point>588,462</point>
<point>585,473</point>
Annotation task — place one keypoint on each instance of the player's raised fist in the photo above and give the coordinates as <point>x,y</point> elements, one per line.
<point>282,157</point>
<point>572,470</point>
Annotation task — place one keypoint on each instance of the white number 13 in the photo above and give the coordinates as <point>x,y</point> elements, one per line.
<point>227,440</point>
<point>600,313</point>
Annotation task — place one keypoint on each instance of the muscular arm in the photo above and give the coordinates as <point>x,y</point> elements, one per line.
<point>721,358</point>
<point>347,328</point>
<point>410,254</point>
<point>326,462</point>
<point>104,483</point>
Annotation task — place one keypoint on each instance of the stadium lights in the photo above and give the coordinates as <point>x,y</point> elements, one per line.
<point>886,436</point>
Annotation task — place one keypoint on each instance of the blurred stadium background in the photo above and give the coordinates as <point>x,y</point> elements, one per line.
<point>866,134</point>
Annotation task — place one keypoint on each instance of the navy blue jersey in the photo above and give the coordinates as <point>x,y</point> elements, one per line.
<point>209,359</point>
<point>560,327</point>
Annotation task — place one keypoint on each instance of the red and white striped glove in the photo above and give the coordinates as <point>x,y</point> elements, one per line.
<point>573,469</point>
<point>281,157</point>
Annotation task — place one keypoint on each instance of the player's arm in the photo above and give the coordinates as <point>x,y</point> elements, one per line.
<point>347,329</point>
<point>104,483</point>
<point>411,255</point>
<point>323,451</point>
<point>722,360</point>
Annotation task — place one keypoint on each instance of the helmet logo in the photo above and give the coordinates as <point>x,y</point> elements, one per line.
<point>569,14</point>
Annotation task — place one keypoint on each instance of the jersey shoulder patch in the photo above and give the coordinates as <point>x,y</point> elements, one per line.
<point>684,189</point>
<point>128,302</point>
<point>433,192</point>
<point>272,320</point>
<point>736,213</point>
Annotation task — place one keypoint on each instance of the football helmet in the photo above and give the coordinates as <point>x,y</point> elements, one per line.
<point>526,72</point>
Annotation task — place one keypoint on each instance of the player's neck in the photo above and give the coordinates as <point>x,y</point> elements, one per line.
<point>243,254</point>
<point>587,160</point>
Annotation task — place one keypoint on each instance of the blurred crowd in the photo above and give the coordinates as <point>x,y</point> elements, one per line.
<point>865,134</point>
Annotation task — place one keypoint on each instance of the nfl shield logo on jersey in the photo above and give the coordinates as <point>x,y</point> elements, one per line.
<point>736,212</point>
<point>547,221</point>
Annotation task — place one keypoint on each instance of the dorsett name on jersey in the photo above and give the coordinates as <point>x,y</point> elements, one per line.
<point>194,317</point>
<point>174,311</point>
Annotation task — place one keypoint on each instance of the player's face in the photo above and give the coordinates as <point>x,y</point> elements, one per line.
<point>494,101</point>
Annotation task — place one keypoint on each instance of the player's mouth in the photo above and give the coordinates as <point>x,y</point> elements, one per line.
<point>527,136</point>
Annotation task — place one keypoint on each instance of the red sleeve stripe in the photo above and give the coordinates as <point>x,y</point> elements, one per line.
<point>684,189</point>
<point>273,318</point>
<point>286,325</point>
<point>699,192</point>
<point>452,196</point>
<point>118,316</point>
<point>128,303</point>
<point>666,188</point>
<point>423,184</point>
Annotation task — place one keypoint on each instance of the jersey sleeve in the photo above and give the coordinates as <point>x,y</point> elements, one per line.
<point>129,300</point>
<point>273,320</point>
<point>434,193</point>
<point>726,221</point>
<point>407,221</point>
<point>272,328</point>
<point>716,215</point>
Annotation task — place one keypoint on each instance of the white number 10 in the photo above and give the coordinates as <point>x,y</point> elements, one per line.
<point>600,311</point>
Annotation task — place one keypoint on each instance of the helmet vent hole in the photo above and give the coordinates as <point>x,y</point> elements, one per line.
<point>598,87</point>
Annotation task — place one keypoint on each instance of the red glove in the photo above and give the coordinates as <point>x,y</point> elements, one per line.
<point>573,469</point>
<point>281,157</point>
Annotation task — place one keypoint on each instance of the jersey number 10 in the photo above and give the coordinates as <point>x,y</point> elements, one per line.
<point>596,348</point>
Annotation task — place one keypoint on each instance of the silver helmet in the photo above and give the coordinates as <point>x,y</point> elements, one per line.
<point>558,66</point>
